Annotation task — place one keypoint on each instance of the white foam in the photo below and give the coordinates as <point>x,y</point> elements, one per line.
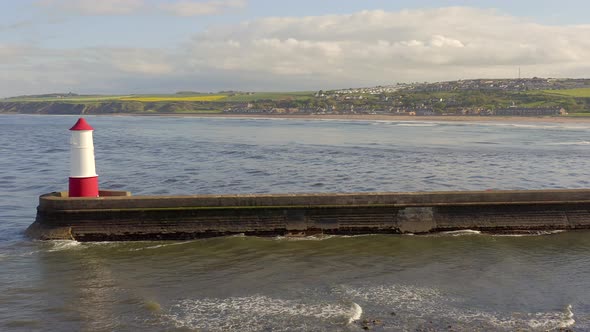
<point>304,238</point>
<point>462,232</point>
<point>357,235</point>
<point>537,233</point>
<point>540,125</point>
<point>415,303</point>
<point>426,124</point>
<point>105,243</point>
<point>542,321</point>
<point>60,245</point>
<point>570,143</point>
<point>157,246</point>
<point>255,313</point>
<point>356,313</point>
<point>520,125</point>
<point>396,296</point>
<point>568,317</point>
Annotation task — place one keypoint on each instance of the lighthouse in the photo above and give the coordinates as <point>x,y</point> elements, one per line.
<point>83,178</point>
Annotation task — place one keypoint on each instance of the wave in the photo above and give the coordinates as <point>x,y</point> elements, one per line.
<point>417,306</point>
<point>486,143</point>
<point>426,124</point>
<point>462,232</point>
<point>162,245</point>
<point>319,237</point>
<point>570,143</point>
<point>556,126</point>
<point>541,321</point>
<point>68,245</point>
<point>61,245</point>
<point>255,313</point>
<point>535,233</point>
<point>356,313</point>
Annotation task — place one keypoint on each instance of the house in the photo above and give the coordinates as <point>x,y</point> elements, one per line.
<point>538,111</point>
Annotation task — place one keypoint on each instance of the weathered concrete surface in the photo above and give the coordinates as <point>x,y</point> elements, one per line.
<point>116,215</point>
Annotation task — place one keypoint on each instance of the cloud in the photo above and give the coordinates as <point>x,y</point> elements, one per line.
<point>17,25</point>
<point>317,52</point>
<point>139,62</point>
<point>378,46</point>
<point>94,7</point>
<point>28,69</point>
<point>137,7</point>
<point>193,8</point>
<point>11,54</point>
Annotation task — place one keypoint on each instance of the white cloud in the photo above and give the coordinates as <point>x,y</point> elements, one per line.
<point>139,62</point>
<point>94,7</point>
<point>380,47</point>
<point>137,7</point>
<point>11,53</point>
<point>194,8</point>
<point>360,49</point>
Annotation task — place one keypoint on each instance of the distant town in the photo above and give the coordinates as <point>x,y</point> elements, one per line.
<point>475,97</point>
<point>482,97</point>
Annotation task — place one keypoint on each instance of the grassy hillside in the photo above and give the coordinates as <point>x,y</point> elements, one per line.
<point>578,93</point>
<point>72,99</point>
<point>305,95</point>
<point>173,98</point>
<point>573,100</point>
<point>99,98</point>
<point>185,97</point>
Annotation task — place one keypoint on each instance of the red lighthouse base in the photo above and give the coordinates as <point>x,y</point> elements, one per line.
<point>84,187</point>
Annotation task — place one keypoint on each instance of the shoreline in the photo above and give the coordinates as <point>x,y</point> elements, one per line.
<point>380,117</point>
<point>356,117</point>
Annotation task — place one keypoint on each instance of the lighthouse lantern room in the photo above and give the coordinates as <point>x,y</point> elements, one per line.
<point>83,178</point>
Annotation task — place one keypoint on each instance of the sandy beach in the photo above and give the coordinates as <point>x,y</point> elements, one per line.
<point>365,117</point>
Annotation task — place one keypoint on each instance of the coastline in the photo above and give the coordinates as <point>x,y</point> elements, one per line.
<point>379,117</point>
<point>356,117</point>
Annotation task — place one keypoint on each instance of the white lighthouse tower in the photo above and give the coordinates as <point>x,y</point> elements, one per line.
<point>83,178</point>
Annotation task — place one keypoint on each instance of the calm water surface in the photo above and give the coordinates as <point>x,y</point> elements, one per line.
<point>389,283</point>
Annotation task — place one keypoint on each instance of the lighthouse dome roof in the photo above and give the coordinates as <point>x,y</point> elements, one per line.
<point>82,125</point>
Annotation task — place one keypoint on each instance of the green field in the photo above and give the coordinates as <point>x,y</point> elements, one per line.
<point>578,93</point>
<point>141,98</point>
<point>148,99</point>
<point>302,95</point>
<point>73,99</point>
<point>572,100</point>
<point>239,97</point>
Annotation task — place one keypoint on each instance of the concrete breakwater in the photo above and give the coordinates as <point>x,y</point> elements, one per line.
<point>118,216</point>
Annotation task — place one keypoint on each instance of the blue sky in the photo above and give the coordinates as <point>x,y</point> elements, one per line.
<point>135,46</point>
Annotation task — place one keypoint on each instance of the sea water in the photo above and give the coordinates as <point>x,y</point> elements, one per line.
<point>462,281</point>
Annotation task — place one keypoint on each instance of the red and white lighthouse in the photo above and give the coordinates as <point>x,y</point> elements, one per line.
<point>83,178</point>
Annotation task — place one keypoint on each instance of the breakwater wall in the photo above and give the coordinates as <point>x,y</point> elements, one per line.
<point>118,216</point>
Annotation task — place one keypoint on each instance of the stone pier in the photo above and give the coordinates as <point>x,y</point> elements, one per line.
<point>118,216</point>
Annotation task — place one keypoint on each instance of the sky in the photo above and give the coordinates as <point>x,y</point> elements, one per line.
<point>164,46</point>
